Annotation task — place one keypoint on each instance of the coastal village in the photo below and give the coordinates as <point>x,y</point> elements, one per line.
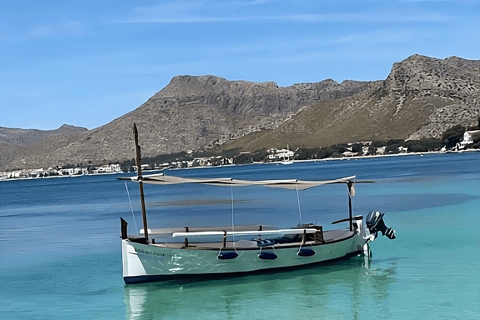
<point>58,172</point>
<point>285,156</point>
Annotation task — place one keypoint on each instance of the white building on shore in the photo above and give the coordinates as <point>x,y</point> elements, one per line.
<point>280,154</point>
<point>468,137</point>
<point>112,168</point>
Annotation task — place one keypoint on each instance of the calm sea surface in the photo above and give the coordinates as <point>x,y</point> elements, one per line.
<point>60,254</point>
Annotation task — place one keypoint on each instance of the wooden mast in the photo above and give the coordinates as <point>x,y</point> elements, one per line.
<point>350,191</point>
<point>138,162</point>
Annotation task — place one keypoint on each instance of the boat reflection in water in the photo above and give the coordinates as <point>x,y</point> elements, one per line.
<point>341,289</point>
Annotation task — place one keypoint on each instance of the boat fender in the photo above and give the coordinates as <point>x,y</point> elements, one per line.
<point>267,255</point>
<point>227,255</point>
<point>375,223</point>
<point>305,252</point>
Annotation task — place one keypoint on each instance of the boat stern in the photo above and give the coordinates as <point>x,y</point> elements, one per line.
<point>369,230</point>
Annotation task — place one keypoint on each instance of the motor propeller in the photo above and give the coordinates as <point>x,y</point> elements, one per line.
<point>375,223</point>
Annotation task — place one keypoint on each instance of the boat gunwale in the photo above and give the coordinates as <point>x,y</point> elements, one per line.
<point>297,244</point>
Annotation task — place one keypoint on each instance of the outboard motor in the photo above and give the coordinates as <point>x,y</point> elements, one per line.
<point>375,223</point>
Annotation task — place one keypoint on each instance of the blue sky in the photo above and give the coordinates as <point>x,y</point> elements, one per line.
<point>87,62</point>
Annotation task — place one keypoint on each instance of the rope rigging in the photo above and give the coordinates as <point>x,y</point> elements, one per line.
<point>233,224</point>
<point>298,202</point>
<point>131,207</point>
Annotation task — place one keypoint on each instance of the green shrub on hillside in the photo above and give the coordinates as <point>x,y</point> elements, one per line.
<point>358,148</point>
<point>453,135</point>
<point>243,159</point>
<point>371,151</point>
<point>307,153</point>
<point>423,145</point>
<point>261,155</point>
<point>392,148</point>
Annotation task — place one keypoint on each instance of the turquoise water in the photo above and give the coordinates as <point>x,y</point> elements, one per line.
<point>60,248</point>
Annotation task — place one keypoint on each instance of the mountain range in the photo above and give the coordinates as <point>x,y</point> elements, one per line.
<point>421,97</point>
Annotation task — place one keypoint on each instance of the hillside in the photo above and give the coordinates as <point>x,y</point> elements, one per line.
<point>190,113</point>
<point>22,148</point>
<point>421,97</point>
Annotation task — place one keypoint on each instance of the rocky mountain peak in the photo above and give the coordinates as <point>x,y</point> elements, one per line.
<point>67,127</point>
<point>246,99</point>
<point>191,84</point>
<point>453,75</point>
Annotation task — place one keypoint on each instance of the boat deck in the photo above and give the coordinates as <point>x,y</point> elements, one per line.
<point>328,237</point>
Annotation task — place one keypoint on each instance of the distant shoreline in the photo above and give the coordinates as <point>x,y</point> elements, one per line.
<point>391,155</point>
<point>260,163</point>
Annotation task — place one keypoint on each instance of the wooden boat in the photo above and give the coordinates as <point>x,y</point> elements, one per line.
<point>260,249</point>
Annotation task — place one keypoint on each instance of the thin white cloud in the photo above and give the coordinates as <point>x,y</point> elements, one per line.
<point>188,11</point>
<point>426,0</point>
<point>40,31</point>
<point>364,16</point>
<point>51,30</point>
<point>392,36</point>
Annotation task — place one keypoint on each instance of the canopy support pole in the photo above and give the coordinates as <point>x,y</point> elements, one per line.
<point>138,162</point>
<point>350,212</point>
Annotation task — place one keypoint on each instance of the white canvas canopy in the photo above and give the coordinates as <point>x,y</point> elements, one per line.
<point>245,233</point>
<point>284,184</point>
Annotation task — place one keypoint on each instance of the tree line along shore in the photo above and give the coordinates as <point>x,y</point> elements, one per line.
<point>450,141</point>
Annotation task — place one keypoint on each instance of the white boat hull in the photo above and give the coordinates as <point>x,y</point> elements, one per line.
<point>147,263</point>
